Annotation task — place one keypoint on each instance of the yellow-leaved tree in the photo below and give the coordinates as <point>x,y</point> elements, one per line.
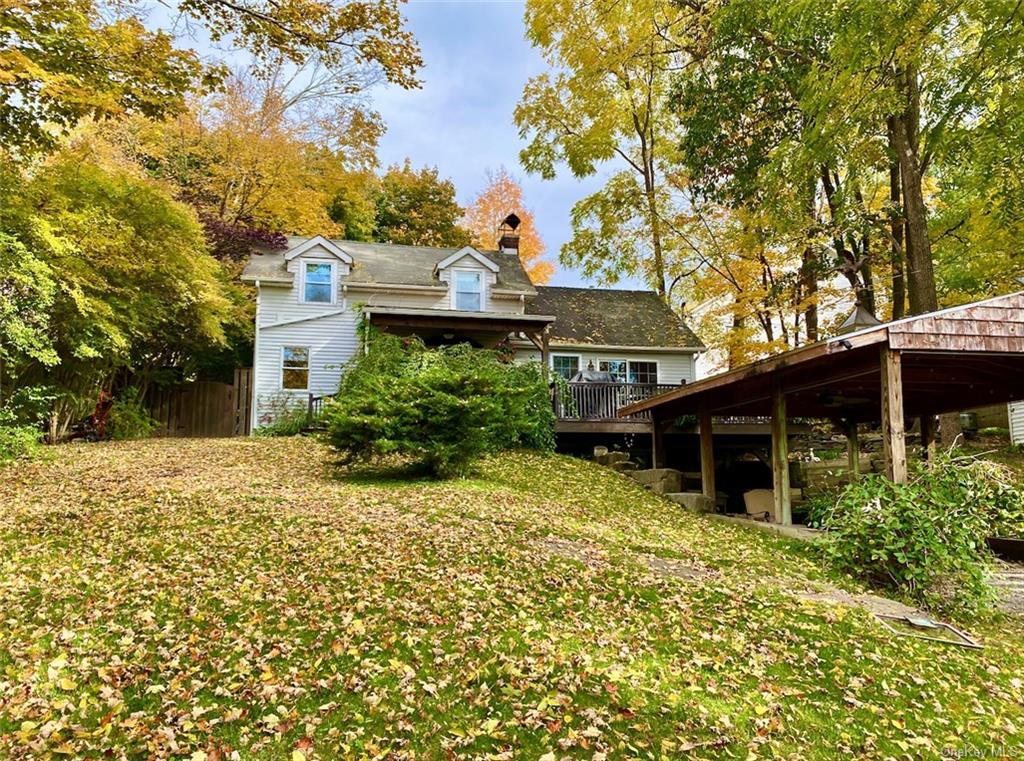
<point>503,196</point>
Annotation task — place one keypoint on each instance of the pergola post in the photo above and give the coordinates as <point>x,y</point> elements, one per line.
<point>852,451</point>
<point>928,437</point>
<point>707,455</point>
<point>893,434</point>
<point>657,442</point>
<point>780,456</point>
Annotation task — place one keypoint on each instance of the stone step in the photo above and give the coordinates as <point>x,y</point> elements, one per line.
<point>660,480</point>
<point>692,500</point>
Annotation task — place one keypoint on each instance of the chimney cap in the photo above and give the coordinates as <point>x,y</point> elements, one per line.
<point>508,234</point>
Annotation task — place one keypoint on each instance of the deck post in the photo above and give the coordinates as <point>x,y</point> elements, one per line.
<point>707,454</point>
<point>928,437</point>
<point>852,451</point>
<point>780,456</point>
<point>893,434</point>
<point>657,442</point>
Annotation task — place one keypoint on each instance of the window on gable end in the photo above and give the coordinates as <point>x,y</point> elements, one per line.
<point>318,282</point>
<point>468,290</point>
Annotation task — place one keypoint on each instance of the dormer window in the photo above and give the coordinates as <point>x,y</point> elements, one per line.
<point>468,290</point>
<point>318,282</point>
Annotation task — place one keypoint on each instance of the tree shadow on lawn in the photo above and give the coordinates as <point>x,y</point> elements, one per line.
<point>389,471</point>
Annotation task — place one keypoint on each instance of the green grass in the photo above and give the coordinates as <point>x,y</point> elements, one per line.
<point>179,598</point>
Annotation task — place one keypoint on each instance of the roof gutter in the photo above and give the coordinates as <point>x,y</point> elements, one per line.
<point>619,347</point>
<point>395,287</point>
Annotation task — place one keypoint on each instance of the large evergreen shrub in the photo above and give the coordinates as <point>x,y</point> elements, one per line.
<point>443,407</point>
<point>925,539</point>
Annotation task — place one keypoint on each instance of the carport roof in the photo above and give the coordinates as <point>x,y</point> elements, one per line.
<point>952,359</point>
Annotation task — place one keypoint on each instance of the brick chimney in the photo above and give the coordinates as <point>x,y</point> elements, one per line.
<point>508,234</point>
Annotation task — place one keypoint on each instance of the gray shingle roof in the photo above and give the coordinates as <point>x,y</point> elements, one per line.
<point>612,318</point>
<point>390,263</point>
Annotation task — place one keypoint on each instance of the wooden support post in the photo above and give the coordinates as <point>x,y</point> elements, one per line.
<point>780,457</point>
<point>852,451</point>
<point>707,455</point>
<point>928,437</point>
<point>893,434</point>
<point>657,442</point>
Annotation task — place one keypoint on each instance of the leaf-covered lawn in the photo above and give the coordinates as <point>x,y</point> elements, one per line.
<point>210,599</point>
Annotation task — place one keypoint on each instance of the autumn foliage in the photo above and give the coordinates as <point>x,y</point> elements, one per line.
<point>503,196</point>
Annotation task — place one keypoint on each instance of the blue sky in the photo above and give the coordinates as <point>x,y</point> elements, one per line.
<point>476,63</point>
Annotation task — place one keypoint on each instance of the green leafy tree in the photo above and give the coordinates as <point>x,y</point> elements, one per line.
<point>27,293</point>
<point>416,207</point>
<point>62,61</point>
<point>605,101</point>
<point>135,289</point>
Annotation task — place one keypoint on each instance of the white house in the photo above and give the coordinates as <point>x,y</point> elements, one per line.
<point>313,295</point>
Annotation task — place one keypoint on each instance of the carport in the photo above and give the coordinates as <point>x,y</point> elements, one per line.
<point>917,367</point>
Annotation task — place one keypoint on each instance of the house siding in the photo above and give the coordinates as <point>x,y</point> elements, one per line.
<point>673,367</point>
<point>330,331</point>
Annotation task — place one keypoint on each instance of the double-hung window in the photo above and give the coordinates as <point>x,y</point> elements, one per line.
<point>566,365</point>
<point>468,290</point>
<point>295,368</point>
<point>318,282</point>
<point>631,371</point>
<point>643,372</point>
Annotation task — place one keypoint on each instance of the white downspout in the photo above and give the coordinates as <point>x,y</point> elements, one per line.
<point>254,416</point>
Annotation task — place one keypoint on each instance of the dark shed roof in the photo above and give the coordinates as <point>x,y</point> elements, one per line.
<point>612,318</point>
<point>956,358</point>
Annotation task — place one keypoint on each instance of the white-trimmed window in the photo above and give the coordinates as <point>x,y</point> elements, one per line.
<point>643,371</point>
<point>469,290</point>
<point>617,368</point>
<point>295,368</point>
<point>631,371</point>
<point>318,282</point>
<point>566,365</point>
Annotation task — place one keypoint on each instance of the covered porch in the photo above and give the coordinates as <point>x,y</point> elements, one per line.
<point>915,368</point>
<point>449,326</point>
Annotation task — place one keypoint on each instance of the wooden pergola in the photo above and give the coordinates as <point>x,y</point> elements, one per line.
<point>918,367</point>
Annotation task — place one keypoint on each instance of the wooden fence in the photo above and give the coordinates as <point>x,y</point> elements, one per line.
<point>204,409</point>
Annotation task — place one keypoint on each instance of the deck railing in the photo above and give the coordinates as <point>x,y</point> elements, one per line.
<point>601,401</point>
<point>316,407</point>
<point>572,401</point>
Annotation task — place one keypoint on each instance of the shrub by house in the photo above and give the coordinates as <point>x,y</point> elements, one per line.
<point>440,407</point>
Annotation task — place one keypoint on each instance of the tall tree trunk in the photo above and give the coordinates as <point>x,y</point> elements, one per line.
<point>906,139</point>
<point>652,210</point>
<point>809,273</point>
<point>899,296</point>
<point>735,360</point>
<point>867,296</point>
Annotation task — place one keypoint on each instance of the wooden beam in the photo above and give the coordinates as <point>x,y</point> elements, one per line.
<point>657,443</point>
<point>928,436</point>
<point>780,456</point>
<point>852,451</point>
<point>707,454</point>
<point>893,435</point>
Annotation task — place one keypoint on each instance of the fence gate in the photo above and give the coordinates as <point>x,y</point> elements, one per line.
<point>204,409</point>
<point>243,401</point>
